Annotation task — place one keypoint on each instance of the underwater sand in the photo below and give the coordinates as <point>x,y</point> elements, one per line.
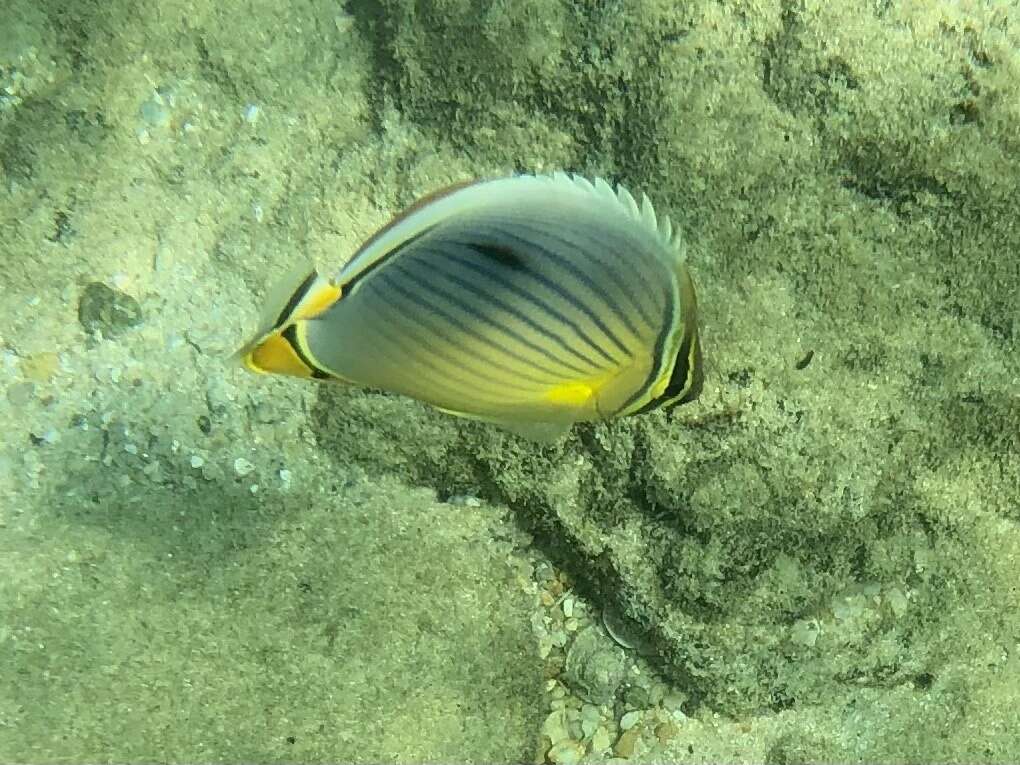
<point>818,561</point>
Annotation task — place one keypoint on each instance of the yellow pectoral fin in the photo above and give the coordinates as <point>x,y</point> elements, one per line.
<point>594,398</point>
<point>571,395</point>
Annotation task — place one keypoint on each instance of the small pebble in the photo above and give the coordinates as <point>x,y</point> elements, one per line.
<point>556,726</point>
<point>566,752</point>
<point>805,632</point>
<point>106,310</point>
<point>344,22</point>
<point>629,720</point>
<point>625,743</point>
<point>897,602</point>
<point>574,716</point>
<point>600,740</point>
<point>673,702</point>
<point>637,695</point>
<point>464,500</point>
<point>196,461</point>
<point>243,467</point>
<point>544,573</point>
<point>545,646</point>
<point>154,112</point>
<point>212,472</point>
<point>666,731</point>
<point>590,712</point>
<point>657,693</point>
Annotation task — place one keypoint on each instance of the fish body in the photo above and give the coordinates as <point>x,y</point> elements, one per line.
<point>532,301</point>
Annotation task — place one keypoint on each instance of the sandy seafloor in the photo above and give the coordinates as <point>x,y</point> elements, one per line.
<point>818,561</point>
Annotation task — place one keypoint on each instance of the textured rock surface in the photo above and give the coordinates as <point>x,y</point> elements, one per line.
<point>822,552</point>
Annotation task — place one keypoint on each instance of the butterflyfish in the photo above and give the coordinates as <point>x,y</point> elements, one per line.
<point>530,301</point>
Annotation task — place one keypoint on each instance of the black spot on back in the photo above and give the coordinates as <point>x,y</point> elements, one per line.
<point>501,253</point>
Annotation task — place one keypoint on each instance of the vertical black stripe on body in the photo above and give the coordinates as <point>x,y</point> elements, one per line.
<point>685,382</point>
<point>424,329</point>
<point>304,355</point>
<point>639,253</point>
<point>471,293</point>
<point>654,373</point>
<point>606,251</point>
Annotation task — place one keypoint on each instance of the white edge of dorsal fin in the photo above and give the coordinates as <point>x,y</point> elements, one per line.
<point>604,189</point>
<point>643,214</point>
<point>666,229</point>
<point>577,180</point>
<point>435,206</point>
<point>648,213</point>
<point>628,202</point>
<point>420,215</point>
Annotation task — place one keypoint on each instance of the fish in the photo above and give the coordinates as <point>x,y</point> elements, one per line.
<point>532,302</point>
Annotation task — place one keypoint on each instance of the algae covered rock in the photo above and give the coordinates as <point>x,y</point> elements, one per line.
<point>104,309</point>
<point>595,666</point>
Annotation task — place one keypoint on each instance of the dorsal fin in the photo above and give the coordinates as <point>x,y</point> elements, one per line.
<point>433,208</point>
<point>643,213</point>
